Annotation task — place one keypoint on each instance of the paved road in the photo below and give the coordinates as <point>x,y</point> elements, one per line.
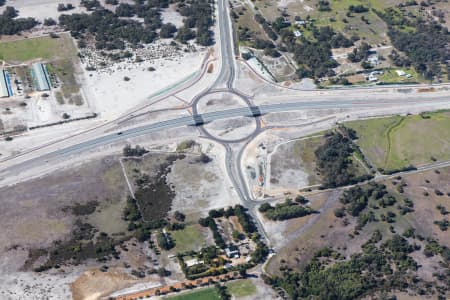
<point>225,79</point>
<point>227,70</point>
<point>230,113</point>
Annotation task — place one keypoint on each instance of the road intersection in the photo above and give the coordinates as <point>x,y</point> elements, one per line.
<point>111,132</point>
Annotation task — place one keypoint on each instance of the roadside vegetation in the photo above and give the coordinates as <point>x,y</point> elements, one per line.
<point>284,211</point>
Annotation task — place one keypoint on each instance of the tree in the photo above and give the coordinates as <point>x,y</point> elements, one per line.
<point>49,22</point>
<point>179,216</point>
<point>167,30</point>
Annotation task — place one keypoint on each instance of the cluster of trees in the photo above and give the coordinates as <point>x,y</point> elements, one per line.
<point>394,17</point>
<point>427,47</point>
<point>91,4</point>
<point>334,161</point>
<point>324,5</point>
<point>218,239</point>
<point>357,199</point>
<point>443,224</point>
<point>377,269</point>
<point>112,31</point>
<point>199,15</point>
<point>10,25</point>
<point>109,30</point>
<point>222,291</point>
<point>314,55</point>
<point>165,242</point>
<point>140,229</point>
<point>358,8</point>
<point>136,151</point>
<point>268,46</point>
<point>239,211</point>
<point>65,7</point>
<point>266,26</point>
<point>359,54</point>
<point>82,245</point>
<point>285,211</point>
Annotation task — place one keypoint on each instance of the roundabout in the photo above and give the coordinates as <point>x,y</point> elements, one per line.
<point>228,130</point>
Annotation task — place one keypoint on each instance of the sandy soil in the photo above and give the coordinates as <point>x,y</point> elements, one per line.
<point>170,15</point>
<point>42,9</point>
<point>220,101</point>
<point>93,284</point>
<point>141,85</point>
<point>30,286</point>
<point>201,187</point>
<point>232,128</point>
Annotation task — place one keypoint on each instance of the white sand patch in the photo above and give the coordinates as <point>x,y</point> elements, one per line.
<point>170,15</point>
<point>285,3</point>
<point>44,110</point>
<point>111,95</point>
<point>33,286</point>
<point>42,9</point>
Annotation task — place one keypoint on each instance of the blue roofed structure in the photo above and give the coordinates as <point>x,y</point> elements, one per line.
<point>4,91</point>
<point>40,77</point>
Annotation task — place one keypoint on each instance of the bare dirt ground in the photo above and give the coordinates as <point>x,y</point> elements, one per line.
<point>42,9</point>
<point>231,128</point>
<point>93,284</point>
<point>142,83</point>
<point>292,164</point>
<point>200,187</point>
<point>219,101</point>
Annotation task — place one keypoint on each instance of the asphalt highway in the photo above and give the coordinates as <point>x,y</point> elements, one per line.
<point>224,82</point>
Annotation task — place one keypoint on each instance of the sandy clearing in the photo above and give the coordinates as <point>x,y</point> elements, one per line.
<point>141,85</point>
<point>170,15</point>
<point>219,101</point>
<point>42,9</point>
<point>201,187</point>
<point>231,128</point>
<point>94,284</point>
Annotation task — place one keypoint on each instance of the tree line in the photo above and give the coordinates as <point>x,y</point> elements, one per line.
<point>10,25</point>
